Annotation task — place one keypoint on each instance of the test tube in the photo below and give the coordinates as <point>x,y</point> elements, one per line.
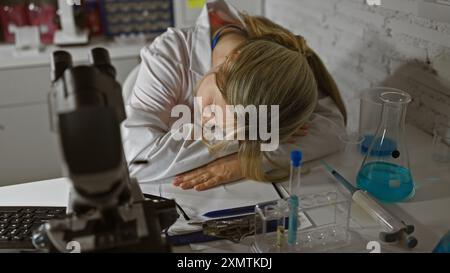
<point>294,182</point>
<point>294,191</point>
<point>280,224</point>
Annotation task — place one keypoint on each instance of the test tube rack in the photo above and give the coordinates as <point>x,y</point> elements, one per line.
<point>323,224</point>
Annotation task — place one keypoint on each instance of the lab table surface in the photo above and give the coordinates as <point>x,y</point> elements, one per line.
<point>427,210</point>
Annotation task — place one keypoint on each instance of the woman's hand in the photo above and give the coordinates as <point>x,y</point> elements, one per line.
<point>300,133</point>
<point>218,172</point>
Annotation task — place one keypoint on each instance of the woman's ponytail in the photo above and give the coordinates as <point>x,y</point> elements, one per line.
<point>325,81</point>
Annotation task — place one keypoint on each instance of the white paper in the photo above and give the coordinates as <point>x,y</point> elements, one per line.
<point>195,203</point>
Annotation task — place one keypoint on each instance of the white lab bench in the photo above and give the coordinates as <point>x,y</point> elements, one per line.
<point>427,210</point>
<point>28,149</point>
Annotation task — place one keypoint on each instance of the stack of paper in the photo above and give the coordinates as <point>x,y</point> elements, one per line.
<point>195,203</point>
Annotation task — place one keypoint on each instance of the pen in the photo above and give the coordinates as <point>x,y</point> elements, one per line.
<point>230,212</point>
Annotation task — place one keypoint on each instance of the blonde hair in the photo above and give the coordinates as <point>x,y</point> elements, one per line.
<point>274,67</point>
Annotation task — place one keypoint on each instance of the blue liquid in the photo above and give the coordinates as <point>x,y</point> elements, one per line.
<point>443,245</point>
<point>381,147</point>
<point>386,181</point>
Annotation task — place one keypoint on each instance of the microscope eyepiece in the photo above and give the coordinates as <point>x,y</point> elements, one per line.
<point>99,57</point>
<point>60,61</point>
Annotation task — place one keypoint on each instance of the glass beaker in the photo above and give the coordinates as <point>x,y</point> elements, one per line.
<point>441,141</point>
<point>385,172</point>
<point>351,149</point>
<point>370,110</point>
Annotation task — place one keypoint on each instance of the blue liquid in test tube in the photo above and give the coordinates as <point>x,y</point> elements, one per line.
<point>294,191</point>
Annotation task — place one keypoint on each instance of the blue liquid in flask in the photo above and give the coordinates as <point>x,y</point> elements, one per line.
<point>387,182</point>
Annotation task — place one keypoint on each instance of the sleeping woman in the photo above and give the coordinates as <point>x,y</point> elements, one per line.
<point>229,58</point>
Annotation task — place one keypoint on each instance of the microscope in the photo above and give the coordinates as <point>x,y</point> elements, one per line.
<point>107,211</point>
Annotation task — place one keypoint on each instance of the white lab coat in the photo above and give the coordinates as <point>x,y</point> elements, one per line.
<point>171,67</point>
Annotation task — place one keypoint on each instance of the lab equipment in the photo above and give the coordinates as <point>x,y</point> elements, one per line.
<point>107,210</point>
<point>230,212</point>
<point>323,223</point>
<point>294,191</point>
<point>70,33</point>
<point>294,181</point>
<point>293,220</point>
<point>396,230</point>
<point>268,214</point>
<point>441,140</point>
<point>444,244</point>
<point>351,148</point>
<point>370,114</point>
<point>280,230</point>
<point>385,172</point>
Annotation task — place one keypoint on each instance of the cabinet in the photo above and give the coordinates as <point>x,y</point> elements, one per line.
<point>29,151</point>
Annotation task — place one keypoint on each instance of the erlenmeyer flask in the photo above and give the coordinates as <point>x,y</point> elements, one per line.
<point>386,174</point>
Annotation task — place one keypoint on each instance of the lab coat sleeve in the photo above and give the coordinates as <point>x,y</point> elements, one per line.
<point>147,137</point>
<point>326,124</point>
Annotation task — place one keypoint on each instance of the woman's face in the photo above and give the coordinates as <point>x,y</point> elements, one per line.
<point>211,97</point>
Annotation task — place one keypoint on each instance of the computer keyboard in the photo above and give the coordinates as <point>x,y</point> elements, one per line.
<point>17,225</point>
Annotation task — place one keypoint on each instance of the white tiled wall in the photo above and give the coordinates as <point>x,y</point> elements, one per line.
<point>366,46</point>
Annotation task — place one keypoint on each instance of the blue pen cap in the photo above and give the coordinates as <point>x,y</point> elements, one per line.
<point>296,158</point>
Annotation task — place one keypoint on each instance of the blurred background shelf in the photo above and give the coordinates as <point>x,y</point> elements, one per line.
<point>117,50</point>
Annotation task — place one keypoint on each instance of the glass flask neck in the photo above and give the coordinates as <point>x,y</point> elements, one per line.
<point>394,115</point>
<point>394,108</point>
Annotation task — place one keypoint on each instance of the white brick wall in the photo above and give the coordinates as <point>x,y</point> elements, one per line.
<point>365,46</point>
